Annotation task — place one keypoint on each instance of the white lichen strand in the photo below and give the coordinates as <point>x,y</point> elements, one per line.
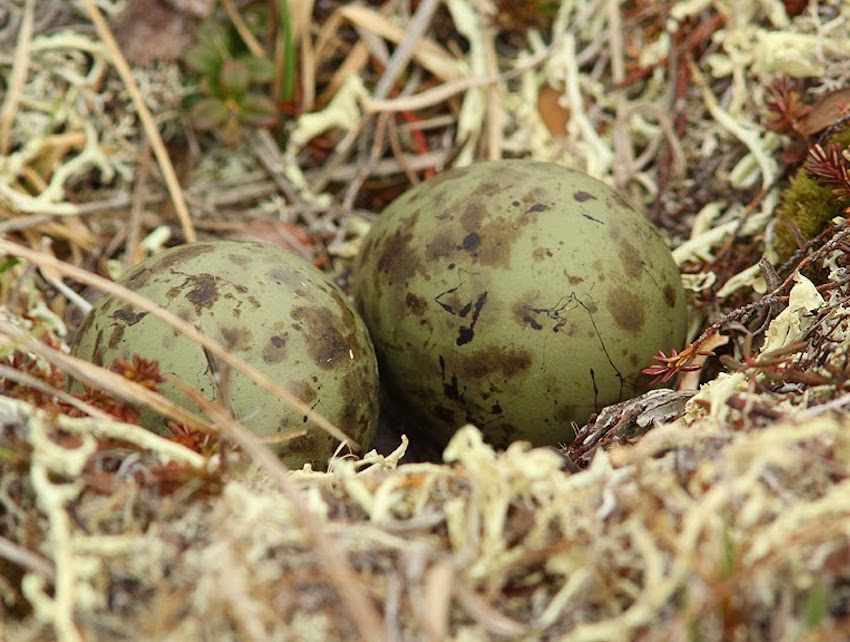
<point>520,469</point>
<point>79,65</point>
<point>49,461</point>
<point>729,217</point>
<point>72,462</point>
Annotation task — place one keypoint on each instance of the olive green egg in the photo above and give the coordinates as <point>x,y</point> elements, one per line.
<point>517,296</point>
<point>273,310</point>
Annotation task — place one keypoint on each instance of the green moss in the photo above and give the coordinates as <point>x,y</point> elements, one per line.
<point>807,206</point>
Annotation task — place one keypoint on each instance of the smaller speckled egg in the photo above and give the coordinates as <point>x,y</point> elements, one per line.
<point>270,308</point>
<point>517,296</point>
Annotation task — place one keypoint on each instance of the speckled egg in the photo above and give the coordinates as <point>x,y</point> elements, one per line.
<point>270,308</point>
<point>517,296</point>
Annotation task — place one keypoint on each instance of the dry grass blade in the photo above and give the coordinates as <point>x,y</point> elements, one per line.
<point>37,384</point>
<point>17,554</point>
<point>301,34</point>
<point>44,260</point>
<point>147,119</point>
<point>19,73</point>
<point>137,207</point>
<point>243,30</point>
<point>493,123</point>
<point>441,93</point>
<point>426,53</point>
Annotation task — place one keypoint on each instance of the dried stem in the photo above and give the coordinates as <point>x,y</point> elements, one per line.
<point>145,116</point>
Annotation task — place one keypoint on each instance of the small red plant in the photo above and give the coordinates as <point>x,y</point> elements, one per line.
<point>831,166</point>
<point>786,109</point>
<point>669,367</point>
<point>205,443</point>
<point>141,371</point>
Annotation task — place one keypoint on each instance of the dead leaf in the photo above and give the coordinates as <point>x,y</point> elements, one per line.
<point>150,30</point>
<point>826,111</point>
<point>554,116</point>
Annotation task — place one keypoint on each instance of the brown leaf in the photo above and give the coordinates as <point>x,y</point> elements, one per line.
<point>826,111</point>
<point>150,30</point>
<point>554,116</point>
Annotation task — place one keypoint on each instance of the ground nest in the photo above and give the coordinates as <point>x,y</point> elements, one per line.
<point>711,508</point>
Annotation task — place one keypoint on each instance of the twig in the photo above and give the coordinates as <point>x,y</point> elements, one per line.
<point>21,556</point>
<point>365,169</point>
<point>267,152</point>
<point>24,223</point>
<point>415,31</point>
<point>441,93</point>
<point>386,167</point>
<point>398,153</point>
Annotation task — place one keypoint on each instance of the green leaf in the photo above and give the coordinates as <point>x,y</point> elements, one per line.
<point>202,60</point>
<point>215,37</point>
<point>260,70</point>
<point>8,263</point>
<point>233,78</point>
<point>288,88</point>
<point>209,114</point>
<point>816,606</point>
<point>257,110</point>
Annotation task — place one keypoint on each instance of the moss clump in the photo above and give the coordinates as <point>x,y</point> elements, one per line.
<point>807,206</point>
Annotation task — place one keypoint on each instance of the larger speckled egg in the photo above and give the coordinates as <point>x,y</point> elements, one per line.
<point>517,296</point>
<point>270,308</point>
